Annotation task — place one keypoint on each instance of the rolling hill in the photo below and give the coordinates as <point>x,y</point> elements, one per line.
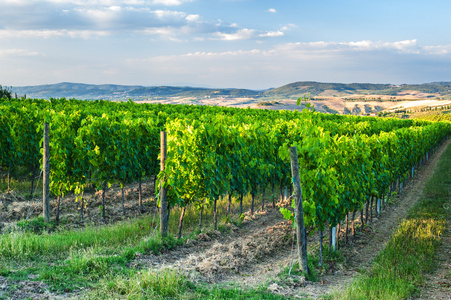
<point>290,91</point>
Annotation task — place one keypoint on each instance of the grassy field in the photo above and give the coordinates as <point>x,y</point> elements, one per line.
<point>399,269</point>
<point>95,262</point>
<point>97,258</point>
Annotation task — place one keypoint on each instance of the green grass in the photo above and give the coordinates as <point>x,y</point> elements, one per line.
<point>398,270</point>
<point>22,185</point>
<point>70,260</point>
<point>168,284</point>
<point>36,225</point>
<point>27,245</point>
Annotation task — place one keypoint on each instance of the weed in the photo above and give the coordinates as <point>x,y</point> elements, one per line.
<point>36,225</point>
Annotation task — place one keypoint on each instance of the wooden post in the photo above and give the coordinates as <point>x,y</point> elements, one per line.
<point>299,211</point>
<point>123,198</point>
<point>400,184</point>
<point>179,235</point>
<point>378,207</point>
<point>9,180</point>
<point>252,203</point>
<point>45,180</point>
<point>333,238</point>
<point>140,198</point>
<point>320,255</point>
<point>82,206</point>
<point>229,204</point>
<point>273,196</point>
<point>103,200</point>
<point>285,194</point>
<point>241,204</point>
<point>215,215</point>
<point>200,217</point>
<point>163,195</point>
<point>58,200</point>
<point>347,227</point>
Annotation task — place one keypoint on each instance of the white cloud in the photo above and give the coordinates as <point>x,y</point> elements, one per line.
<point>247,34</point>
<point>272,34</point>
<point>17,52</point>
<point>98,18</point>
<point>407,46</point>
<point>272,10</point>
<point>28,34</point>
<point>288,27</point>
<point>438,50</point>
<point>111,2</point>
<point>170,2</point>
<point>192,18</point>
<point>355,61</point>
<point>242,34</point>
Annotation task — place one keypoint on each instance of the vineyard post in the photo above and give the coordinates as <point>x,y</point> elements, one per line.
<point>333,236</point>
<point>163,196</point>
<point>45,180</point>
<point>400,184</point>
<point>378,206</point>
<point>58,202</point>
<point>273,196</point>
<point>299,211</point>
<point>229,203</point>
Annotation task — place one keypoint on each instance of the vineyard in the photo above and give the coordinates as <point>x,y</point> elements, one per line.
<point>214,152</point>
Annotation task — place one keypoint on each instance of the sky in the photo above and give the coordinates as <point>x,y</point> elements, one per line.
<point>253,44</point>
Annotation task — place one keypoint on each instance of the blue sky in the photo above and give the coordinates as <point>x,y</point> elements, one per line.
<point>254,44</point>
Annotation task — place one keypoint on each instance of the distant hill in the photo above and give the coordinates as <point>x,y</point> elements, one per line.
<point>111,91</point>
<point>318,89</point>
<point>289,91</point>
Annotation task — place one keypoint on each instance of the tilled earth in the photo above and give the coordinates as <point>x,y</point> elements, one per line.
<point>258,251</point>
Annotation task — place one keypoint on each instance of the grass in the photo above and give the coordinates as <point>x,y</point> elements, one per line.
<point>398,270</point>
<point>23,184</point>
<point>25,244</point>
<point>168,284</point>
<point>70,260</point>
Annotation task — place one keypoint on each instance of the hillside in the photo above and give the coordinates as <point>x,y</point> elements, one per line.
<point>123,92</point>
<point>317,90</point>
<point>361,90</point>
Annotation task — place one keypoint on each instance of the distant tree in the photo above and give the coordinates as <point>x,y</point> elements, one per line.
<point>5,92</point>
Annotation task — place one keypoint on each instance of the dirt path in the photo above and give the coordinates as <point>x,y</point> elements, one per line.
<point>240,254</point>
<point>256,253</point>
<point>360,253</point>
<point>263,247</point>
<point>438,284</point>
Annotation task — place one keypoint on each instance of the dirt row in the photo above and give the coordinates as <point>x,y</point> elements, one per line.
<point>14,207</point>
<point>257,252</point>
<point>263,247</point>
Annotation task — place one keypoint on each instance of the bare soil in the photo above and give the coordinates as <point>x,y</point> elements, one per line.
<point>365,104</point>
<point>258,251</point>
<point>14,207</point>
